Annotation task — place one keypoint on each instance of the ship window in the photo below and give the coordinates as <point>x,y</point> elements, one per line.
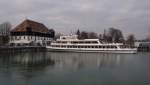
<point>15,37</point>
<point>111,46</point>
<point>34,37</point>
<point>74,42</point>
<point>107,46</point>
<point>19,37</point>
<point>94,41</point>
<point>103,46</point>
<point>60,42</point>
<point>64,42</point>
<point>96,46</point>
<point>87,42</point>
<point>80,42</point>
<point>63,46</point>
<point>57,41</point>
<point>63,38</point>
<point>74,46</point>
<point>89,46</point>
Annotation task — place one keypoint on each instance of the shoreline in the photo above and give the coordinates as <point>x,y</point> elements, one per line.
<point>22,48</point>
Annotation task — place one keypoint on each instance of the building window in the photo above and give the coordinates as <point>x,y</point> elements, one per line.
<point>19,37</point>
<point>12,38</point>
<point>15,37</point>
<point>28,38</point>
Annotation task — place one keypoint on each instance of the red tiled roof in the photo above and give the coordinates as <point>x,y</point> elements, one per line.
<point>34,26</point>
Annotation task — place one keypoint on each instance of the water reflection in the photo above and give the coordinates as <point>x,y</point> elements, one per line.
<point>24,65</point>
<point>77,61</point>
<point>39,60</point>
<point>36,68</point>
<point>32,64</point>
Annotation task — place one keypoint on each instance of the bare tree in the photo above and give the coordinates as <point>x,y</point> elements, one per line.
<point>130,40</point>
<point>92,35</point>
<point>115,35</point>
<point>78,33</point>
<point>84,35</point>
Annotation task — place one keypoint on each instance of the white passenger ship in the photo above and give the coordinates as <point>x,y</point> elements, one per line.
<point>73,44</point>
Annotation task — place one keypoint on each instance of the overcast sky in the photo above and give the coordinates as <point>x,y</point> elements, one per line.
<point>66,16</point>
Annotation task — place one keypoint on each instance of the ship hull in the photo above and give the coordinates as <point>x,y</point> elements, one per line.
<point>52,49</point>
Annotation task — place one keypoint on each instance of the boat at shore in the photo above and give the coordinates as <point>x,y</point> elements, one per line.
<point>73,44</point>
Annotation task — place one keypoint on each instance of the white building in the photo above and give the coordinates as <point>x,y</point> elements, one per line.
<point>31,33</point>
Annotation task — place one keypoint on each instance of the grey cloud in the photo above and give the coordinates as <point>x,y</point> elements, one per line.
<point>131,16</point>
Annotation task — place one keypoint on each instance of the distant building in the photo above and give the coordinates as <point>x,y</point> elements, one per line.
<point>4,33</point>
<point>31,33</point>
<point>143,46</point>
<point>5,29</point>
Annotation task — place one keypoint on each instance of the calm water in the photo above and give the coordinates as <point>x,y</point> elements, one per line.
<point>46,68</point>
